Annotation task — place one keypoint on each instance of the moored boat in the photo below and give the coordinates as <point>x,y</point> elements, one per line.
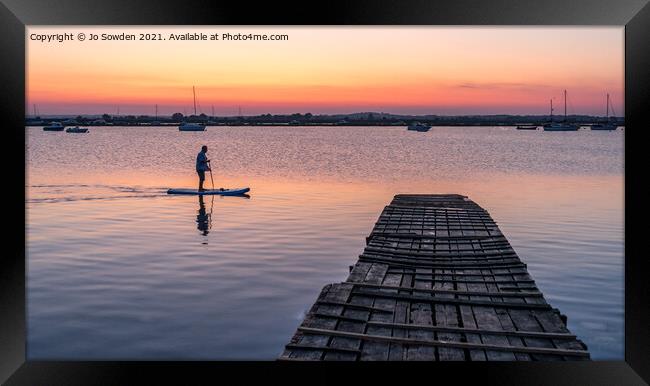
<point>417,126</point>
<point>607,125</point>
<point>54,126</point>
<point>189,126</point>
<point>560,126</point>
<point>604,126</point>
<point>76,129</point>
<point>524,127</point>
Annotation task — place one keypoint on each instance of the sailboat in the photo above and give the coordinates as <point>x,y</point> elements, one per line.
<point>156,122</point>
<point>188,126</point>
<point>607,125</point>
<point>560,126</point>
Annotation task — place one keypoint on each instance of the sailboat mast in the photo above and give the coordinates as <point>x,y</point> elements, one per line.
<point>607,116</point>
<point>156,111</point>
<point>551,109</point>
<point>565,105</point>
<point>194,93</point>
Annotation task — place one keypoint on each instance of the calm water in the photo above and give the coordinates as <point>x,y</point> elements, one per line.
<point>117,269</point>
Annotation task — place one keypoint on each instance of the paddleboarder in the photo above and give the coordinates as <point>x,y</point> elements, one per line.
<point>202,164</point>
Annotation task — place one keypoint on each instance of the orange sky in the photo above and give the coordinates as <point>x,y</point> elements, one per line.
<point>411,70</point>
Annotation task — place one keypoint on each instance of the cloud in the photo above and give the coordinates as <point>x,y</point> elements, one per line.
<point>502,85</point>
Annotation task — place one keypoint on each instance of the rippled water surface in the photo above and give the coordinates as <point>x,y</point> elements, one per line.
<point>117,269</point>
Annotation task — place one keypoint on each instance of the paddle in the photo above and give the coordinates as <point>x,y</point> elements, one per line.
<point>211,179</point>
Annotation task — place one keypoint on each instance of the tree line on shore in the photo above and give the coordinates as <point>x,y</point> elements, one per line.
<point>370,118</point>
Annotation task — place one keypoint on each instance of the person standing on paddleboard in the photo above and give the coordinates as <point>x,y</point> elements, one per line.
<point>202,164</point>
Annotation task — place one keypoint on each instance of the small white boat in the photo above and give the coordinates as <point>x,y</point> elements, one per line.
<point>525,127</point>
<point>417,126</point>
<point>54,126</point>
<point>76,130</point>
<point>188,126</point>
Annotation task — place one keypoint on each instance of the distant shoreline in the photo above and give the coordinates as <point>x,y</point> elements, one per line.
<point>357,119</point>
<point>321,125</point>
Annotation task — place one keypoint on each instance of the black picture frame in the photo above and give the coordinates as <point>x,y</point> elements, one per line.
<point>633,14</point>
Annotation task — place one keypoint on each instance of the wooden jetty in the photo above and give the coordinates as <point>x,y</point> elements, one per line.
<point>437,281</point>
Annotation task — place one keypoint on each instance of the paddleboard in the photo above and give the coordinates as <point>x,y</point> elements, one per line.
<point>227,192</point>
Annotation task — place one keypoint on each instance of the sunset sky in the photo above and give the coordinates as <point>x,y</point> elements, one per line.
<point>326,70</point>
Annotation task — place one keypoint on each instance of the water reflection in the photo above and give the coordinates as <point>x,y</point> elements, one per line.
<point>204,219</point>
<point>558,199</point>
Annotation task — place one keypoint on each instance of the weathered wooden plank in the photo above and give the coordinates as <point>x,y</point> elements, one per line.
<point>459,272</point>
<point>487,318</point>
<point>325,349</point>
<point>432,264</point>
<point>479,320</point>
<point>359,271</point>
<point>526,321</point>
<point>376,273</point>
<point>348,305</point>
<point>373,350</point>
<point>446,315</point>
<point>421,314</point>
<point>515,337</point>
<point>443,300</point>
<point>347,325</point>
<point>413,235</point>
<point>438,343</point>
<point>313,340</point>
<point>397,350</point>
<point>450,291</point>
<point>465,330</point>
<point>378,350</point>
<point>551,322</point>
<point>446,258</point>
<point>467,316</point>
<point>422,252</point>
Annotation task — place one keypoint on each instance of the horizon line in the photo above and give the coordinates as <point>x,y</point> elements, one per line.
<point>317,115</point>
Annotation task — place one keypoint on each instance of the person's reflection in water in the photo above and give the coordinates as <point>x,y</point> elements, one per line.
<point>203,219</point>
